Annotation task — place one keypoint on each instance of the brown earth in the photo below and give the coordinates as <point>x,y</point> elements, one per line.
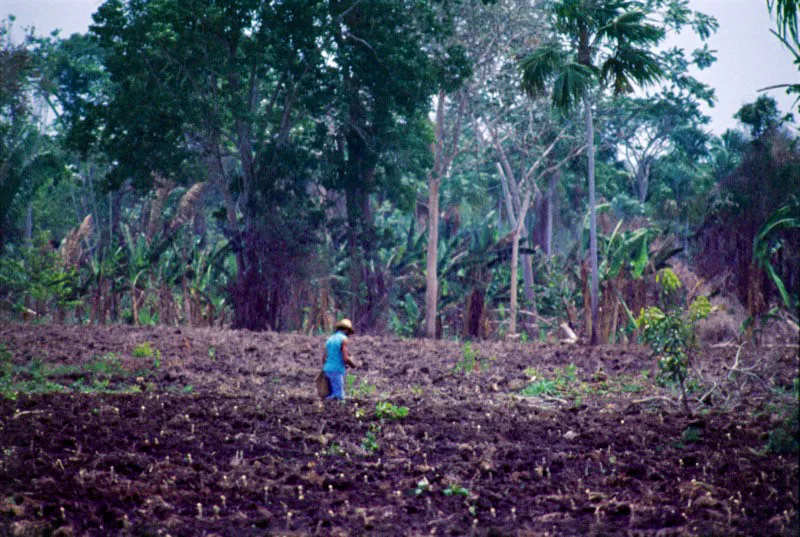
<point>251,451</point>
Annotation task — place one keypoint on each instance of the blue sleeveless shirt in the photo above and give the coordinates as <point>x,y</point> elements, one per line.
<point>334,363</point>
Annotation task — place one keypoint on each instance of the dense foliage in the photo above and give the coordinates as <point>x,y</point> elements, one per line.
<point>277,165</point>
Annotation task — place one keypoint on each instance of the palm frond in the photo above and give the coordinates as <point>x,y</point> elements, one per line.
<point>631,27</point>
<point>628,66</point>
<point>539,67</point>
<point>786,12</point>
<point>572,83</point>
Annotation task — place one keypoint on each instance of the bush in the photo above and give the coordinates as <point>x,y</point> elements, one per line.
<point>670,331</point>
<point>784,438</point>
<point>36,277</point>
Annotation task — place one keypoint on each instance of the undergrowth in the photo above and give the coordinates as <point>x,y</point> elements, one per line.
<point>103,374</point>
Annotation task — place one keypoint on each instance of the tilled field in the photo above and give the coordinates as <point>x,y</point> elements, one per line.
<point>221,434</point>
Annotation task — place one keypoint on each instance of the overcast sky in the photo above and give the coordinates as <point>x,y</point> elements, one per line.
<point>749,56</point>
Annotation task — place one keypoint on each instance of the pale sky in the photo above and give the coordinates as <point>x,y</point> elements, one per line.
<point>749,56</point>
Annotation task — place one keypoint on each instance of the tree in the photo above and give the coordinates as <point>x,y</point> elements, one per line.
<point>761,116</point>
<point>387,63</point>
<point>597,43</point>
<point>27,155</point>
<point>200,89</point>
<point>484,34</point>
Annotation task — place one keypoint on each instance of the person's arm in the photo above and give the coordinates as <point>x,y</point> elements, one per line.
<point>346,355</point>
<point>324,355</point>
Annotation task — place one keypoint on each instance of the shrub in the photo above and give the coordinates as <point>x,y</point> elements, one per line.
<point>670,331</point>
<point>144,350</point>
<point>784,438</point>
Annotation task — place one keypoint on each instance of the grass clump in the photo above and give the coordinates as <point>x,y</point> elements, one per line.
<point>784,439</point>
<point>103,374</point>
<point>471,361</point>
<point>146,350</point>
<point>564,379</point>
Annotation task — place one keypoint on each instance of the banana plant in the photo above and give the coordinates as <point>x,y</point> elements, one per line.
<point>764,246</point>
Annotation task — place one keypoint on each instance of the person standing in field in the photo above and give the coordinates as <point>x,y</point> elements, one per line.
<point>336,356</point>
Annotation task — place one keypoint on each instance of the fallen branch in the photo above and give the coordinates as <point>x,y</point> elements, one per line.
<point>553,398</point>
<point>653,398</point>
<point>18,414</point>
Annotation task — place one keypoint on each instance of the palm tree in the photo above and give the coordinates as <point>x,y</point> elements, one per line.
<point>596,44</point>
<point>786,15</point>
<point>786,12</point>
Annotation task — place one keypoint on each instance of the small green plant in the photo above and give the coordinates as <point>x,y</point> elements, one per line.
<point>335,450</point>
<point>671,332</point>
<point>188,389</point>
<point>212,353</point>
<point>567,375</point>
<point>423,486</point>
<point>784,438</point>
<point>456,490</point>
<point>691,435</point>
<point>539,387</point>
<point>143,350</point>
<point>365,389</point>
<point>370,441</point>
<point>107,365</point>
<point>631,387</point>
<point>469,360</point>
<point>385,409</point>
<point>563,379</point>
<point>472,361</point>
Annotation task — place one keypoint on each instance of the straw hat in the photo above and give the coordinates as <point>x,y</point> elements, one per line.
<point>346,325</point>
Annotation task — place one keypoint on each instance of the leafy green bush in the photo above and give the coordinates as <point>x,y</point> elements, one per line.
<point>670,331</point>
<point>144,350</point>
<point>784,438</point>
<point>36,277</point>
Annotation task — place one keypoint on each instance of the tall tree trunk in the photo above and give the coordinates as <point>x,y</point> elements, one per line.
<point>527,269</point>
<point>642,181</point>
<point>592,216</point>
<point>551,204</point>
<point>512,325</point>
<point>444,149</point>
<point>434,182</point>
<point>512,320</point>
<point>431,273</point>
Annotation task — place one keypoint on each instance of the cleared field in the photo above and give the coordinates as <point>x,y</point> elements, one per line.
<point>211,432</point>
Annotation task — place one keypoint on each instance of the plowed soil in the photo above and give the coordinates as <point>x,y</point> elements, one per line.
<point>222,434</point>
